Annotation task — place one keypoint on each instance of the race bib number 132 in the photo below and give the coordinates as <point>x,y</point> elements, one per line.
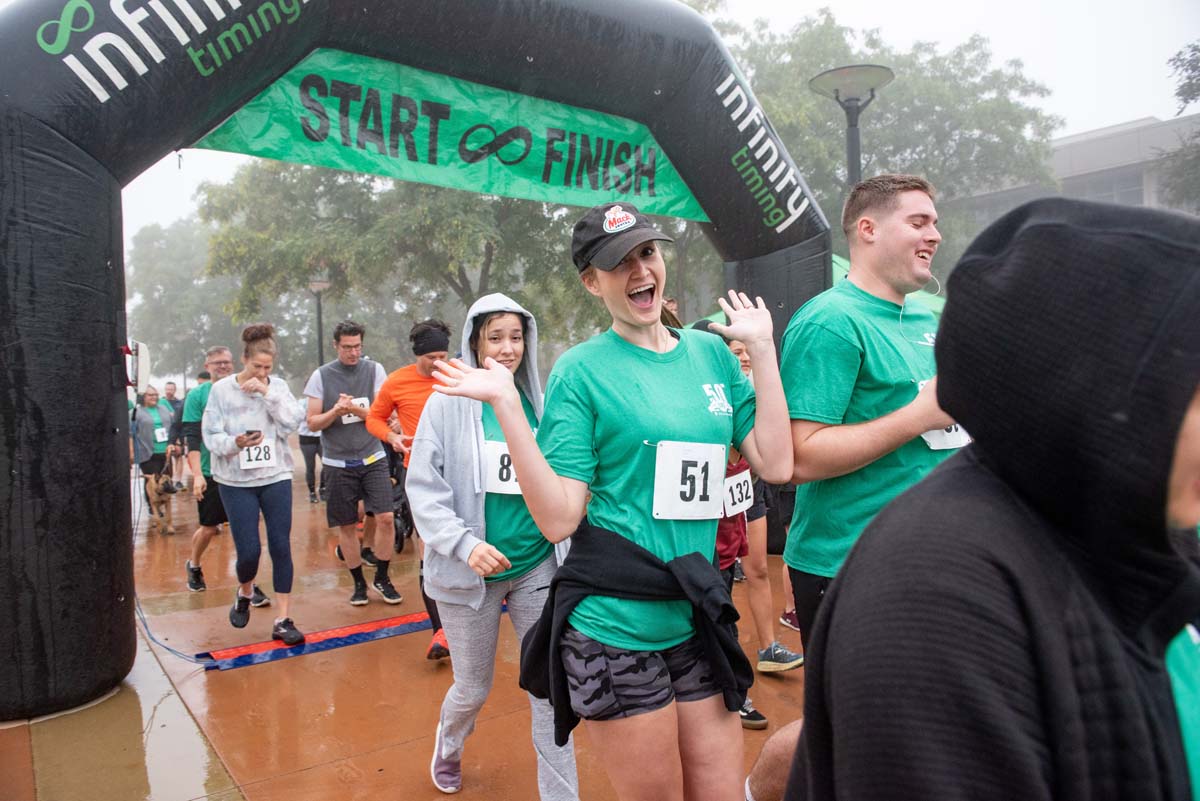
<point>739,493</point>
<point>689,481</point>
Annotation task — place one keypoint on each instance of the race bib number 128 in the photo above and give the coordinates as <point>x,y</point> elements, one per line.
<point>256,456</point>
<point>689,481</point>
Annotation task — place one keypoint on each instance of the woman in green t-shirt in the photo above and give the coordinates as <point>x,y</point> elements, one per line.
<point>482,548</point>
<point>636,427</point>
<point>150,424</point>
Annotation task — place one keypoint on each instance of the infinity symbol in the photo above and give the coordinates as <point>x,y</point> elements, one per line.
<point>66,26</point>
<point>471,154</point>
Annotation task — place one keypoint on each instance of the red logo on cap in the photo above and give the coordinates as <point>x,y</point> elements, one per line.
<point>617,219</point>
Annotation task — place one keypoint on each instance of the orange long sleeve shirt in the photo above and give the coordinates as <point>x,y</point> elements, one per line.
<point>404,392</point>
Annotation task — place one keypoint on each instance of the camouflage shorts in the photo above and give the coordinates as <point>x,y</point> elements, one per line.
<point>607,683</point>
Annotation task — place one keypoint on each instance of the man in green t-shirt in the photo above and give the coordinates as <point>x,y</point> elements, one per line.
<point>218,362</point>
<point>858,372</point>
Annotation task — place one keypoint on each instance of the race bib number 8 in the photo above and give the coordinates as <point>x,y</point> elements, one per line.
<point>689,481</point>
<point>257,456</point>
<point>160,435</point>
<point>361,403</point>
<point>501,477</point>
<point>739,493</point>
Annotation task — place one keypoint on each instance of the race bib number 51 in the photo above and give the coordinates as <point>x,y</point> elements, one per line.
<point>256,456</point>
<point>689,481</point>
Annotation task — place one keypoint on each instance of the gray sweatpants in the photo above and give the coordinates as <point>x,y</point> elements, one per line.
<point>473,637</point>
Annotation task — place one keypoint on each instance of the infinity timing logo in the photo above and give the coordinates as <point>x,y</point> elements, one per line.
<point>78,16</point>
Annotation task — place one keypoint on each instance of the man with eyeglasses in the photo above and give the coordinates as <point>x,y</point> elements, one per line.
<point>218,363</point>
<point>339,395</point>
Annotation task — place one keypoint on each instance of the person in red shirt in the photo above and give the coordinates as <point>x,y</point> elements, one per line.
<point>404,394</point>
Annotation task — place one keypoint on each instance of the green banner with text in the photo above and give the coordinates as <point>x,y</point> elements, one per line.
<point>360,114</point>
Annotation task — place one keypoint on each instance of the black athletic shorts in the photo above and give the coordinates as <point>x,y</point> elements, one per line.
<point>606,683</point>
<point>155,465</point>
<point>371,484</point>
<point>210,507</point>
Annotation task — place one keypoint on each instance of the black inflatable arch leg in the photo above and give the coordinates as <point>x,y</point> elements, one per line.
<point>66,562</point>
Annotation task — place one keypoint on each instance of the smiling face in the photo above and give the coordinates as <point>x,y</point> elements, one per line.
<point>503,339</point>
<point>633,290</point>
<point>219,364</point>
<point>1183,487</point>
<point>902,242</point>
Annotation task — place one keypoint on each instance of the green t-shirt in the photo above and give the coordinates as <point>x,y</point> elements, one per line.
<point>159,447</point>
<point>193,412</point>
<point>850,357</point>
<point>608,406</point>
<point>510,527</point>
<point>1183,664</point>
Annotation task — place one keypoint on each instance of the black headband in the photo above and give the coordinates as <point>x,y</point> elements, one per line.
<point>431,340</point>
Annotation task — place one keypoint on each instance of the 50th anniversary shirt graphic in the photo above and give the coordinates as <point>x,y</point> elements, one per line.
<point>355,113</point>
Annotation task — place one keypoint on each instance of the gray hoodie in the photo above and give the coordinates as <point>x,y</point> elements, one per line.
<point>445,482</point>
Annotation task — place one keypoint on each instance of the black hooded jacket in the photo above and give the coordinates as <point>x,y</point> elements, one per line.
<point>999,630</point>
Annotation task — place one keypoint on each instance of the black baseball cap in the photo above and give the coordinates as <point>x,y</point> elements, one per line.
<point>607,232</point>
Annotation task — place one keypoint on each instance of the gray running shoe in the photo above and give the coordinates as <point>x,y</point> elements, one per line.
<point>195,578</point>
<point>775,658</point>
<point>286,631</point>
<point>239,613</point>
<point>446,773</point>
<point>259,599</point>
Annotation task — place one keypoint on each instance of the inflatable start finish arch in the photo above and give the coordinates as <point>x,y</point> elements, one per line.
<point>569,101</point>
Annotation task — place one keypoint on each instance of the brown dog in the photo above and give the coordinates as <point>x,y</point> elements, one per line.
<point>159,503</point>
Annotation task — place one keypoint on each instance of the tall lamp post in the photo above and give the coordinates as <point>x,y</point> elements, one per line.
<point>853,88</point>
<point>318,286</point>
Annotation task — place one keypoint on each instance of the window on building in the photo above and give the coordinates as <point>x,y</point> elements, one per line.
<point>1123,185</point>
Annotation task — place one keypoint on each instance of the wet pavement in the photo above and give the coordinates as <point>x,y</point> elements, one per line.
<point>350,723</point>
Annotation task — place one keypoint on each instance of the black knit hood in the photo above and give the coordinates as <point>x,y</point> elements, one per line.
<point>1070,350</point>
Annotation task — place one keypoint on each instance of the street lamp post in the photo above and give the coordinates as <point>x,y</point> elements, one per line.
<point>853,88</point>
<point>318,286</point>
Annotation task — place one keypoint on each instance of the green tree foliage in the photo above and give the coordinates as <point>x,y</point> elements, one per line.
<point>1180,172</point>
<point>954,117</point>
<point>394,252</point>
<point>174,307</point>
<point>1186,66</point>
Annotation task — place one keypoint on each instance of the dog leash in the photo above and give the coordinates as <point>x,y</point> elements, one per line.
<point>139,510</point>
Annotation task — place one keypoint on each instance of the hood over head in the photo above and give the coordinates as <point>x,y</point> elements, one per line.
<point>1069,348</point>
<point>527,376</point>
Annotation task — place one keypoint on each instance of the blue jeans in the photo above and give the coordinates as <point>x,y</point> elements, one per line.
<point>243,505</point>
